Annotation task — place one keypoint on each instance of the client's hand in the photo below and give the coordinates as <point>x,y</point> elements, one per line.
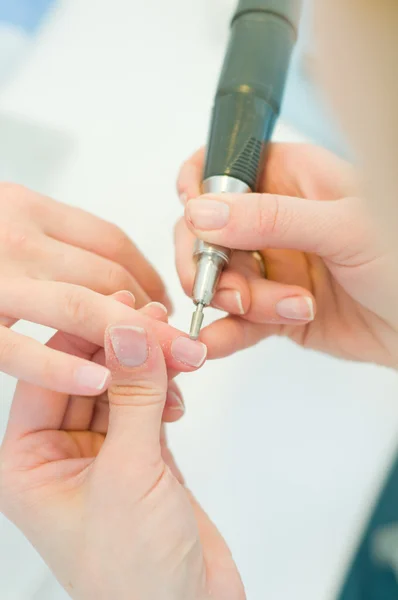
<point>53,258</point>
<point>330,279</point>
<point>92,484</point>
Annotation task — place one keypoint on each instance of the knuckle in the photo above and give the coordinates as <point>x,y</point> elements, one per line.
<point>272,219</point>
<point>76,307</point>
<point>119,242</point>
<point>16,197</point>
<point>16,240</point>
<point>116,278</point>
<point>138,393</point>
<point>48,372</point>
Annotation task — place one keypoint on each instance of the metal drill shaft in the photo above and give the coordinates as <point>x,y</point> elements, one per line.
<point>196,323</point>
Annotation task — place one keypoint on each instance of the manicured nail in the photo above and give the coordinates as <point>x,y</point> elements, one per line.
<point>189,352</point>
<point>125,297</point>
<point>229,301</point>
<point>129,344</point>
<point>207,214</point>
<point>174,402</point>
<point>299,308</point>
<point>166,301</point>
<point>158,306</point>
<point>92,377</point>
<point>183,198</point>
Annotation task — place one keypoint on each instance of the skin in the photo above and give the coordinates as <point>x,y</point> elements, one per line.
<point>63,259</point>
<point>44,492</point>
<point>318,243</point>
<point>94,487</point>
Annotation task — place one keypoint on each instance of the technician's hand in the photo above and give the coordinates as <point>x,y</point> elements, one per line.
<point>330,279</point>
<point>55,261</point>
<point>93,486</point>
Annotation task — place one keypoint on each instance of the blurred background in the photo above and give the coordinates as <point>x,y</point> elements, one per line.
<point>99,103</point>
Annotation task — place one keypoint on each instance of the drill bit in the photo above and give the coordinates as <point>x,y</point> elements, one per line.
<point>196,323</point>
<point>245,109</point>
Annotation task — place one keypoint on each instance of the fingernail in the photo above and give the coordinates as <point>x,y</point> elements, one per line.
<point>92,377</point>
<point>166,301</point>
<point>299,308</point>
<point>129,344</point>
<point>189,352</point>
<point>230,301</point>
<point>125,297</point>
<point>158,306</point>
<point>174,402</point>
<point>183,198</point>
<point>207,214</point>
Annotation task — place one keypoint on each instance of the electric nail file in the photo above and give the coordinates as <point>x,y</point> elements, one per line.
<point>246,106</point>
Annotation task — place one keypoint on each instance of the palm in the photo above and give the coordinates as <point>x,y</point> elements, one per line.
<point>48,461</point>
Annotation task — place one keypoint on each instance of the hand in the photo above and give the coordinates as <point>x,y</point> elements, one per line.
<point>330,277</point>
<point>49,254</point>
<point>93,486</point>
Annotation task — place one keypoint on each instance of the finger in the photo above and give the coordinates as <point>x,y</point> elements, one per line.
<point>233,334</point>
<point>6,321</point>
<point>169,458</point>
<point>86,314</point>
<point>155,310</point>
<point>37,408</point>
<point>99,419</point>
<point>138,392</point>
<point>279,302</point>
<point>190,177</point>
<point>76,227</point>
<point>69,264</point>
<point>306,170</point>
<point>82,347</point>
<point>125,297</point>
<point>184,241</point>
<point>291,170</point>
<point>93,413</point>
<point>27,359</point>
<point>174,407</point>
<point>252,221</point>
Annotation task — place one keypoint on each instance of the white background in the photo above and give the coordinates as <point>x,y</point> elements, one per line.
<point>285,449</point>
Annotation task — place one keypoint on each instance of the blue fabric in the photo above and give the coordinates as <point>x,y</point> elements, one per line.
<point>25,14</point>
<point>374,569</point>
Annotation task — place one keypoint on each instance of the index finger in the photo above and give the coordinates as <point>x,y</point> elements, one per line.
<point>189,179</point>
<point>291,169</point>
<point>76,227</point>
<point>86,314</point>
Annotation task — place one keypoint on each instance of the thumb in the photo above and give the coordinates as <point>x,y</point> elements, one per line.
<point>258,221</point>
<point>137,393</point>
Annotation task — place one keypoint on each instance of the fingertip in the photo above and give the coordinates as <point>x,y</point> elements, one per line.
<point>155,310</point>
<point>190,353</point>
<point>174,408</point>
<point>125,297</point>
<point>233,294</point>
<point>91,379</point>
<point>183,196</point>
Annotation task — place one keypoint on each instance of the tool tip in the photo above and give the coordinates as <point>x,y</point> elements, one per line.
<point>196,323</point>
